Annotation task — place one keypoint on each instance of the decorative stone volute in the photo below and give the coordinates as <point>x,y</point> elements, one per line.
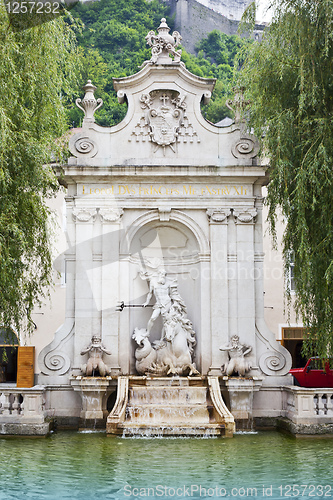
<point>163,45</point>
<point>89,104</point>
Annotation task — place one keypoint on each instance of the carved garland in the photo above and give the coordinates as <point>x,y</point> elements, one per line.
<point>111,214</point>
<point>84,214</point>
<point>245,216</point>
<point>218,215</point>
<point>88,214</point>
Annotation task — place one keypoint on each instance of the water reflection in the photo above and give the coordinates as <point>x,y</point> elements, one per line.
<point>88,466</point>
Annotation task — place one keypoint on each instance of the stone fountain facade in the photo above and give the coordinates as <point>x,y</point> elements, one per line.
<point>164,193</point>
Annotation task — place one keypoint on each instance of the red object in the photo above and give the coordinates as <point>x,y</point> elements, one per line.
<point>313,374</point>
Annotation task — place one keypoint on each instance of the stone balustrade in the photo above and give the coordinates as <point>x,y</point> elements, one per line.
<point>308,406</point>
<point>22,411</point>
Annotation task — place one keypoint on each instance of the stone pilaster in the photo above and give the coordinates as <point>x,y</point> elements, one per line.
<point>245,220</point>
<point>85,306</point>
<point>110,229</point>
<point>218,220</point>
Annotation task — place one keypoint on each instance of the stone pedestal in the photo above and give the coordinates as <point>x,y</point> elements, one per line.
<point>240,391</point>
<point>94,392</point>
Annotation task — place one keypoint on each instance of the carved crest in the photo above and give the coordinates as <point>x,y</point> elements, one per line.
<point>164,115</point>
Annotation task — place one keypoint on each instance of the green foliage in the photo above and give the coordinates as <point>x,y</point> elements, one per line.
<point>36,71</point>
<point>290,83</point>
<point>114,45</point>
<point>220,48</point>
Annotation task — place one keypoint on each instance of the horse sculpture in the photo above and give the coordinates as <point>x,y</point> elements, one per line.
<point>170,356</point>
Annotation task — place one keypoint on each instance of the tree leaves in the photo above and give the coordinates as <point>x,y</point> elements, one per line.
<point>289,77</point>
<point>37,71</point>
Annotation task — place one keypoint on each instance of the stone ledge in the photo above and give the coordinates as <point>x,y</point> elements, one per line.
<point>20,429</point>
<point>304,430</point>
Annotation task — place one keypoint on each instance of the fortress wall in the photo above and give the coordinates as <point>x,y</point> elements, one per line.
<point>194,19</point>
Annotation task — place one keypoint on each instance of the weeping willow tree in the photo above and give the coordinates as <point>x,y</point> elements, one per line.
<point>36,71</point>
<point>289,80</point>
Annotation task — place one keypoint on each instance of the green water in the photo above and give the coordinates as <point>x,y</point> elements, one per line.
<point>70,465</point>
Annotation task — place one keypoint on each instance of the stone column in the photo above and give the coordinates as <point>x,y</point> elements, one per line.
<point>56,359</point>
<point>218,219</point>
<point>85,307</point>
<point>111,220</point>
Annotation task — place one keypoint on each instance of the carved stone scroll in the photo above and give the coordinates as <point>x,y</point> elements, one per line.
<point>82,146</point>
<point>54,358</point>
<point>272,362</point>
<point>245,147</point>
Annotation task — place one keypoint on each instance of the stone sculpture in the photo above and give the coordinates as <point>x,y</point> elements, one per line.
<point>172,354</point>
<point>164,45</point>
<point>164,290</point>
<point>89,104</point>
<point>237,363</point>
<point>95,361</point>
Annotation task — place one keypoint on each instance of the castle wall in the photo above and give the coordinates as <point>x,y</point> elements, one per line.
<point>195,19</point>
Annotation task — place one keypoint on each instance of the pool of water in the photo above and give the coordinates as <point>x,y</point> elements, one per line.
<point>70,465</point>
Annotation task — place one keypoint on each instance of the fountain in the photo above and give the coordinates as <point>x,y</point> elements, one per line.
<point>164,215</point>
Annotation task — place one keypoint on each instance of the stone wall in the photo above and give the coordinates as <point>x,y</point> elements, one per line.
<point>195,19</point>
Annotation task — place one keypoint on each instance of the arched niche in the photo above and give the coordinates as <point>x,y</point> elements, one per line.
<point>173,245</point>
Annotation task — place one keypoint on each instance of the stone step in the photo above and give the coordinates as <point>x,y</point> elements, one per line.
<point>167,395</point>
<point>180,406</point>
<point>206,430</point>
<point>196,381</point>
<point>147,414</point>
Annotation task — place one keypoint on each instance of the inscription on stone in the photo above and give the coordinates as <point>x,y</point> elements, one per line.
<point>157,190</point>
